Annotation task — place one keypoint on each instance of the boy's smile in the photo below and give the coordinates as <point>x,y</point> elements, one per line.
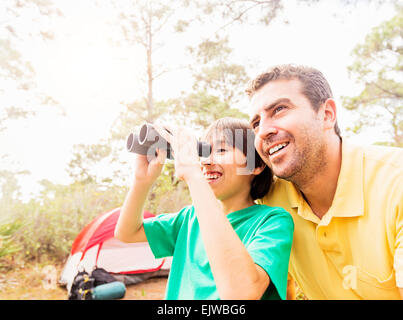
<point>212,176</point>
<point>221,170</point>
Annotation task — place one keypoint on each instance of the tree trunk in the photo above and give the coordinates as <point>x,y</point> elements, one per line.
<point>149,101</point>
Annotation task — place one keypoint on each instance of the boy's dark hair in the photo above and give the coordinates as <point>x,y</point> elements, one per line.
<point>314,85</point>
<point>230,128</point>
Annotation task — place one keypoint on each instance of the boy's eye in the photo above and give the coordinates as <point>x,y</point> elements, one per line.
<point>221,150</point>
<point>255,124</point>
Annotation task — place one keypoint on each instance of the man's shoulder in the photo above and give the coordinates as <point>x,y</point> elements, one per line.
<point>384,155</point>
<point>384,164</point>
<point>382,168</point>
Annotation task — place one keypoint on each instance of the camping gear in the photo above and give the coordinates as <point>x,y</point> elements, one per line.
<point>96,247</point>
<point>101,276</point>
<point>100,285</point>
<point>109,291</point>
<point>81,285</point>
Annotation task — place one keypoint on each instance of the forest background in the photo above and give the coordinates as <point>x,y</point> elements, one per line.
<point>77,77</point>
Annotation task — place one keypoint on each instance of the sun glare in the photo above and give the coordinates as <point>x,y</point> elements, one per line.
<point>82,64</point>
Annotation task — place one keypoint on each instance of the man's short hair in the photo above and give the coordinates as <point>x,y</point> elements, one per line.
<point>314,85</point>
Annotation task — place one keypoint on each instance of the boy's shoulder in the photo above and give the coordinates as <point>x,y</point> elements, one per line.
<point>187,210</point>
<point>269,217</point>
<point>273,211</point>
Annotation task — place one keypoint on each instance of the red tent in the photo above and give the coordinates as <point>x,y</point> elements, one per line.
<point>96,245</point>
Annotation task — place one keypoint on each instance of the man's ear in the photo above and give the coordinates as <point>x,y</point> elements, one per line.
<point>329,113</point>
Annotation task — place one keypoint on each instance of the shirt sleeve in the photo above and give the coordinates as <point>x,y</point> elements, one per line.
<point>271,247</point>
<point>162,232</point>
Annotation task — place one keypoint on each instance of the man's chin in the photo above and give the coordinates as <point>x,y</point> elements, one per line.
<point>282,173</point>
<point>284,177</point>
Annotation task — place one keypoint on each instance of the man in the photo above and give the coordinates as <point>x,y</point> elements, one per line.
<point>346,201</point>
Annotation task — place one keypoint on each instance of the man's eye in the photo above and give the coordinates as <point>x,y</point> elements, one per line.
<point>279,108</point>
<point>221,150</point>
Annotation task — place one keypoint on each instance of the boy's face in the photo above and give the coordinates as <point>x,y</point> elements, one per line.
<point>289,133</point>
<point>225,170</point>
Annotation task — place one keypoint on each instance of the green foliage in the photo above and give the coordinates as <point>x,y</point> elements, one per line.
<point>20,21</point>
<point>218,85</point>
<point>49,224</point>
<point>168,194</point>
<point>203,109</point>
<point>46,227</point>
<point>246,11</point>
<point>7,243</point>
<point>84,159</point>
<point>135,114</point>
<point>213,73</point>
<point>378,67</point>
<point>9,187</point>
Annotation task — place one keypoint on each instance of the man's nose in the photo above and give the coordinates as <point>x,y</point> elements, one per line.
<point>266,129</point>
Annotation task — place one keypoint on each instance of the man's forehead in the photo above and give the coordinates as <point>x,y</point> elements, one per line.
<point>273,91</point>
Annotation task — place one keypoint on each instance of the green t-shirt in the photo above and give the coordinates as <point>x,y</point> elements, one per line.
<point>265,231</point>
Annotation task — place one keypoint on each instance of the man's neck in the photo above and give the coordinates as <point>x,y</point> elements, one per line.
<point>320,189</point>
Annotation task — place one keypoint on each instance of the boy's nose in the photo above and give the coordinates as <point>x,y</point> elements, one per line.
<point>207,160</point>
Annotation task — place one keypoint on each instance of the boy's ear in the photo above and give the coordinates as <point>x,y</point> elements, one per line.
<point>258,170</point>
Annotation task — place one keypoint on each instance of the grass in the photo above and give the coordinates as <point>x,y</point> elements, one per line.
<point>31,282</point>
<point>38,281</point>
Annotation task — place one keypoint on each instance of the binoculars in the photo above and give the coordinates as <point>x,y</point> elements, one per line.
<point>148,140</point>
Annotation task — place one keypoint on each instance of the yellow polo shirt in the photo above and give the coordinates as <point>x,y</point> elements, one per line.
<point>356,250</point>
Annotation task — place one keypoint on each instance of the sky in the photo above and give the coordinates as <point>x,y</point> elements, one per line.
<point>90,76</point>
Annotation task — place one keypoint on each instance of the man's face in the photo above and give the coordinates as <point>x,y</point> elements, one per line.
<point>289,132</point>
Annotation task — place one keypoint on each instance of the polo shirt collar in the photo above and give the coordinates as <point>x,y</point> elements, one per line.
<point>298,202</point>
<point>348,200</point>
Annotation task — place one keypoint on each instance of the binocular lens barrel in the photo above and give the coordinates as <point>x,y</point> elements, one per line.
<point>148,140</point>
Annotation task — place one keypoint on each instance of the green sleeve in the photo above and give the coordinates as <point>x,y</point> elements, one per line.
<point>162,232</point>
<point>271,247</point>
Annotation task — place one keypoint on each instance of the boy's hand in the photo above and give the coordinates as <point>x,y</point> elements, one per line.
<point>184,147</point>
<point>147,172</point>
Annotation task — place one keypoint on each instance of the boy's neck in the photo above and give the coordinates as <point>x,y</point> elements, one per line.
<point>236,203</point>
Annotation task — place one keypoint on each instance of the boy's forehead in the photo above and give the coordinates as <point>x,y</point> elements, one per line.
<point>218,140</point>
<point>218,136</point>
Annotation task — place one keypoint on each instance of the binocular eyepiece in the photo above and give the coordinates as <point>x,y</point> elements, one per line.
<point>148,140</point>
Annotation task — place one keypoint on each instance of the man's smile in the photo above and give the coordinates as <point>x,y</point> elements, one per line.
<point>277,147</point>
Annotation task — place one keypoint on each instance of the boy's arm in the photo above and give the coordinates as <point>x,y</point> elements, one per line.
<point>235,273</point>
<point>129,227</point>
